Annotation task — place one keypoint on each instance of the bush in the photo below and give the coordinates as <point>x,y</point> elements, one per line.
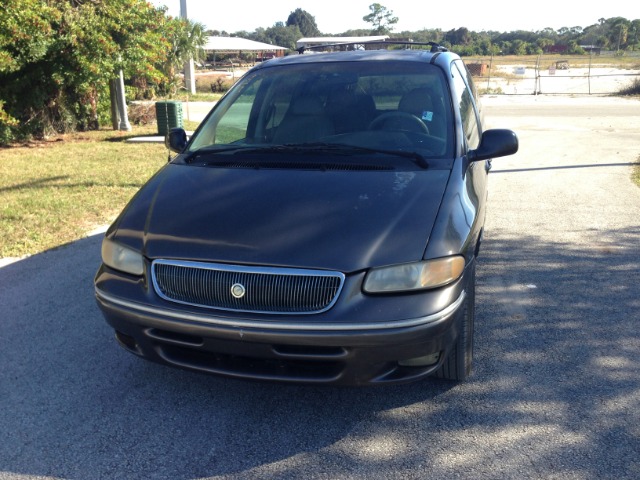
<point>142,113</point>
<point>58,57</point>
<point>7,122</point>
<point>221,85</point>
<point>490,91</point>
<point>632,89</point>
<point>213,84</point>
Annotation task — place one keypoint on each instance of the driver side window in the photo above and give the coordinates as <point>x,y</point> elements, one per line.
<point>465,98</point>
<point>233,125</point>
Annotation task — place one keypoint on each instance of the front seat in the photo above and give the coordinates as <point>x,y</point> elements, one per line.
<point>350,111</point>
<point>305,121</point>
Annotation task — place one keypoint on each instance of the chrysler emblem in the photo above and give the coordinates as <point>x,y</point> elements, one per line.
<point>238,290</point>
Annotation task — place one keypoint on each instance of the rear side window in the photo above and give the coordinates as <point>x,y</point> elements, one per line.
<point>465,95</point>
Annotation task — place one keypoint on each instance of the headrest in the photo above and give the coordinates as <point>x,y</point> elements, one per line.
<point>416,101</point>
<point>307,106</point>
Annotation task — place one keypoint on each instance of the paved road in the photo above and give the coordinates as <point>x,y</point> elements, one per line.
<point>556,389</point>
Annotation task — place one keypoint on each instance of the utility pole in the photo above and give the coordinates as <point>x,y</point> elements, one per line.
<point>119,115</point>
<point>122,104</point>
<point>189,74</point>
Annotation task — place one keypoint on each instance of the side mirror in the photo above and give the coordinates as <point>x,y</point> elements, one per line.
<point>493,144</point>
<point>175,140</point>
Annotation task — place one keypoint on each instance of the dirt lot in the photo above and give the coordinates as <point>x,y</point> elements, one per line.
<point>514,80</point>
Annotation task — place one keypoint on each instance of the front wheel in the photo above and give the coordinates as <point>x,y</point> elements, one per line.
<point>457,365</point>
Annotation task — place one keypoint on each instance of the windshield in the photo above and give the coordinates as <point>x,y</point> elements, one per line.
<point>387,106</point>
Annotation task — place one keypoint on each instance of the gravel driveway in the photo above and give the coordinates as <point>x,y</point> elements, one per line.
<point>556,388</point>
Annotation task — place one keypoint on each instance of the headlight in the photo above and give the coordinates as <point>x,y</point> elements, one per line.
<point>414,276</point>
<point>122,258</point>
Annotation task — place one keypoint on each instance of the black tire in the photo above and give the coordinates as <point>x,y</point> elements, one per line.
<point>457,365</point>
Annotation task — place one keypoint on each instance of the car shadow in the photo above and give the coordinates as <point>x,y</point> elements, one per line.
<point>77,405</point>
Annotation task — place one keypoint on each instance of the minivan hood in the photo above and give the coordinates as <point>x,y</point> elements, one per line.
<point>336,220</point>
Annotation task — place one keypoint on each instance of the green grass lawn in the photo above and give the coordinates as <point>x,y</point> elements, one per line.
<point>55,192</point>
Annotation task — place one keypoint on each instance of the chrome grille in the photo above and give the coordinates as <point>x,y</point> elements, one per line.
<point>257,289</point>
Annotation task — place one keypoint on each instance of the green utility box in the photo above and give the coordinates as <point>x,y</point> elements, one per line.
<point>168,116</point>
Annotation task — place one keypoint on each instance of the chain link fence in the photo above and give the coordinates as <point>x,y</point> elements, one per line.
<point>555,75</point>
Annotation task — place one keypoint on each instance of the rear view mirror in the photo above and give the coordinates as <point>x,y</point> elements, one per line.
<point>493,144</point>
<point>176,140</point>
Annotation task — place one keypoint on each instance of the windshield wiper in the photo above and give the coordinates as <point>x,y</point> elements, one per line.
<point>335,148</point>
<point>213,150</point>
<point>233,149</point>
<point>346,149</point>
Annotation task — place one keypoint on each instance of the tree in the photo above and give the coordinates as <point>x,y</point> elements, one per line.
<point>519,47</point>
<point>461,36</point>
<point>304,21</point>
<point>544,43</point>
<point>58,57</point>
<point>634,31</point>
<point>618,31</point>
<point>186,39</point>
<point>281,35</point>
<point>381,19</point>
<point>25,37</point>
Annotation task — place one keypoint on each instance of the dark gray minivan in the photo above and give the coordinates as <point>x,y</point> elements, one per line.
<point>321,226</point>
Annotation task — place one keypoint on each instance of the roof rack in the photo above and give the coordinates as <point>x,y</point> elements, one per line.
<point>435,47</point>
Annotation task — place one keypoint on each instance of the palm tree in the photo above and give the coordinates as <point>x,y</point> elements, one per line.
<point>187,42</point>
<point>186,39</point>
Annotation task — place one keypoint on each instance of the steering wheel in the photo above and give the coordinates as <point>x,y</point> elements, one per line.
<point>401,117</point>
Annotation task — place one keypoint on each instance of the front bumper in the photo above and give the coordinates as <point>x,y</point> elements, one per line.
<point>361,340</point>
<point>313,351</point>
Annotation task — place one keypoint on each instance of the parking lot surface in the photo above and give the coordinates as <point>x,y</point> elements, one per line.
<point>556,387</point>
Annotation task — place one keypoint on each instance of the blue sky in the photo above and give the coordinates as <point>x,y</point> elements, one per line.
<point>333,16</point>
